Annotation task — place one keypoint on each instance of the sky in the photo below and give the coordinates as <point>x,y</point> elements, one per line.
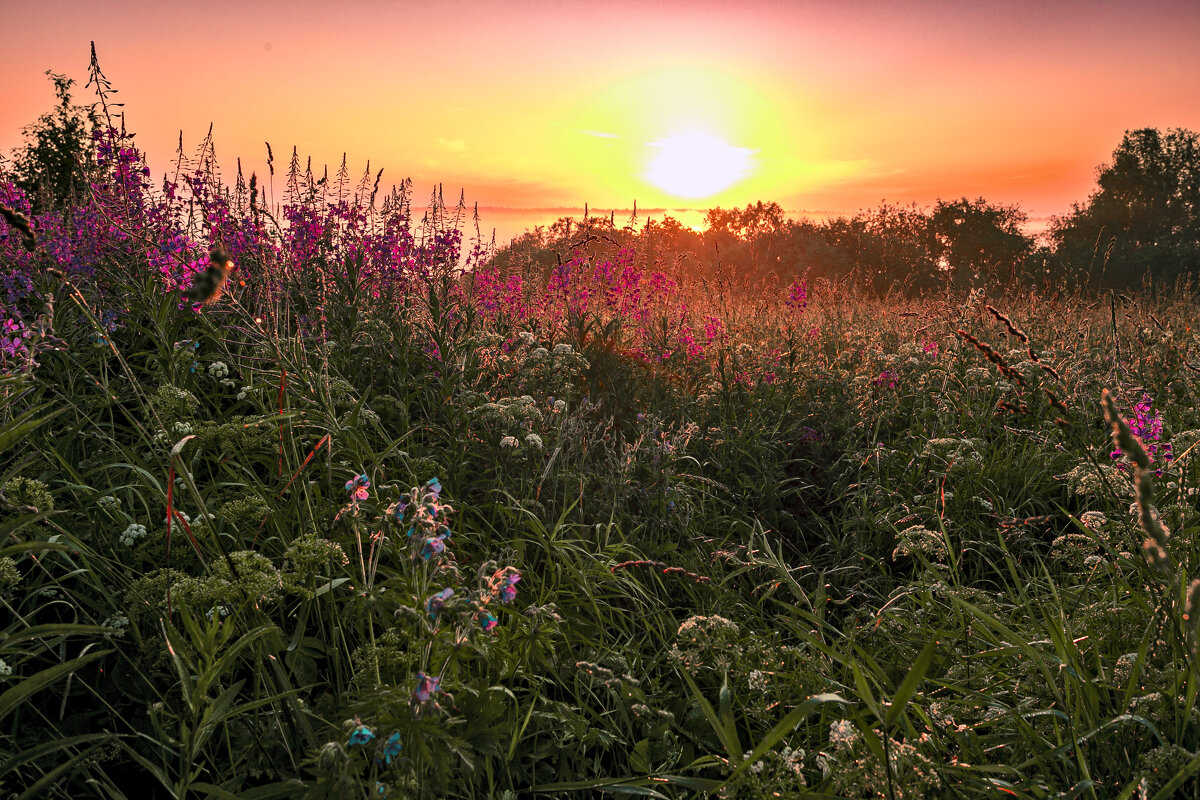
<point>822,107</point>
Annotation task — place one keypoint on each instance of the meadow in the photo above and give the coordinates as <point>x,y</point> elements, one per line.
<point>353,520</point>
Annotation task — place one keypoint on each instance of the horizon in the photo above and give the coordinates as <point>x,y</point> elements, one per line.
<point>680,106</point>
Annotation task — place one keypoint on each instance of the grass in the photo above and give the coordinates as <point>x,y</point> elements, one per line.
<point>854,546</point>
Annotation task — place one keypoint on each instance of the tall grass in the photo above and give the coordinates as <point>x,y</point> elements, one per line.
<point>369,523</point>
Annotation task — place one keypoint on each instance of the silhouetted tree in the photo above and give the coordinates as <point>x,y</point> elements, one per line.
<point>52,166</point>
<point>1143,221</point>
<point>889,247</point>
<point>977,242</point>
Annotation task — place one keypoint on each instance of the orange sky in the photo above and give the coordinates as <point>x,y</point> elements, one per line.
<point>821,105</point>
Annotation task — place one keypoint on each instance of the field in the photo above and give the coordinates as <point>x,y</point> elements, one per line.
<point>352,521</point>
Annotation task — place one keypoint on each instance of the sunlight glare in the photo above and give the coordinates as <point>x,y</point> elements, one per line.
<point>697,164</point>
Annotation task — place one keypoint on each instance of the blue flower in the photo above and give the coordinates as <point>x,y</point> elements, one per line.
<point>389,750</point>
<point>361,734</point>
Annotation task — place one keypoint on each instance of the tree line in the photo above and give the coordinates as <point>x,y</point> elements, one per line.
<point>1139,227</point>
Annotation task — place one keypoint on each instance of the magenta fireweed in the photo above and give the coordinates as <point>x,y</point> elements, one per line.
<point>797,298</point>
<point>1146,424</point>
<point>885,379</point>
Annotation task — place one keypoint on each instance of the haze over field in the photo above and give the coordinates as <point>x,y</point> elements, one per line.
<point>694,105</point>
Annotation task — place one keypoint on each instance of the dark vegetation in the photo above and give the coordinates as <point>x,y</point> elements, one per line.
<point>292,505</point>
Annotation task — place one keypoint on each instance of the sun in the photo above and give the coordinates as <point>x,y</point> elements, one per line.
<point>697,164</point>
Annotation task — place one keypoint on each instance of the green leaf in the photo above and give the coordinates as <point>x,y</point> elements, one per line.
<point>909,685</point>
<point>731,747</point>
<point>786,726</point>
<point>23,425</point>
<point>34,683</point>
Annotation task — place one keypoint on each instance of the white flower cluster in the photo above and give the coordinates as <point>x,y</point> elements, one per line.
<point>218,369</point>
<point>131,535</point>
<point>178,430</point>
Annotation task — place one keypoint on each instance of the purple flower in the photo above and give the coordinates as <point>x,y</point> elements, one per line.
<point>797,299</point>
<point>488,621</point>
<point>357,486</point>
<point>435,604</point>
<point>434,546</point>
<point>508,591</point>
<point>427,687</point>
<point>886,379</point>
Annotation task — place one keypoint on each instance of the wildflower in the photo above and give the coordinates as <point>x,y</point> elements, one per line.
<point>361,733</point>
<point>509,441</point>
<point>434,487</point>
<point>5,669</point>
<point>797,299</point>
<point>560,406</point>
<point>435,604</point>
<point>427,687</point>
<point>109,503</point>
<point>508,591</point>
<point>563,349</point>
<point>218,369</point>
<point>387,751</point>
<point>133,533</point>
<point>842,733</point>
<point>357,486</point>
<point>435,545</point>
<point>488,622</point>
<point>931,347</point>
<point>534,441</point>
<point>885,379</point>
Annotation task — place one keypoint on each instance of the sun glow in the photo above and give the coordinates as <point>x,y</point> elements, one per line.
<point>697,164</point>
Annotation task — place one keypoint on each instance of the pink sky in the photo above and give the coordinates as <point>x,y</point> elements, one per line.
<point>831,106</point>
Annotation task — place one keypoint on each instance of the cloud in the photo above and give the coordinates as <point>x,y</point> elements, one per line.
<point>457,145</point>
<point>601,134</point>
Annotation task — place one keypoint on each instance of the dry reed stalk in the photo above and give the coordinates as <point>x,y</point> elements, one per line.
<point>21,222</point>
<point>994,357</point>
<point>1054,401</point>
<point>1157,534</point>
<point>1013,329</point>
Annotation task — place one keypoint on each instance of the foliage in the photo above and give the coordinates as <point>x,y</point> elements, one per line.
<point>1143,221</point>
<point>52,165</point>
<point>371,522</point>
